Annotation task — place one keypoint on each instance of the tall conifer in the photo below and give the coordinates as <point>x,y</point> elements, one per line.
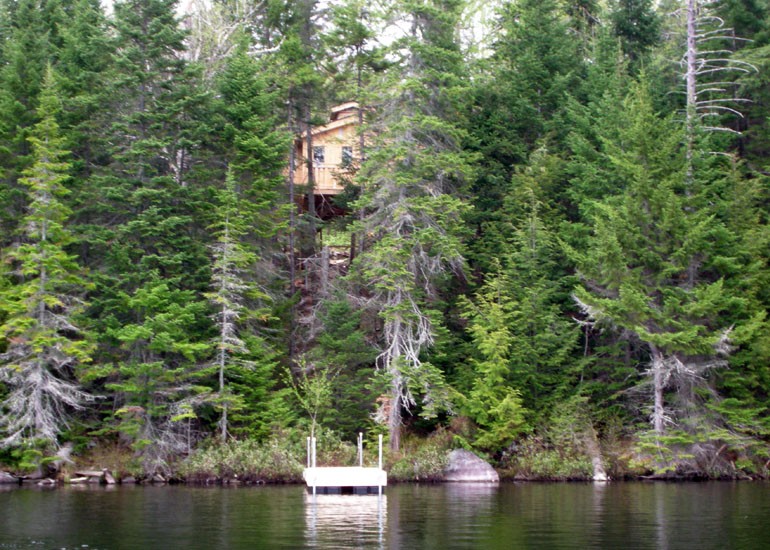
<point>655,264</point>
<point>412,182</point>
<point>45,348</point>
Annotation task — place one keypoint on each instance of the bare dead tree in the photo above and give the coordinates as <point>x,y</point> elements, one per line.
<point>705,61</point>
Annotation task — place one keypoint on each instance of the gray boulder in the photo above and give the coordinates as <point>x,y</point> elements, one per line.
<point>5,477</point>
<point>467,467</point>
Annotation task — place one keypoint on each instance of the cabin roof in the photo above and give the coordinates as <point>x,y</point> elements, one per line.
<point>344,110</point>
<point>342,115</point>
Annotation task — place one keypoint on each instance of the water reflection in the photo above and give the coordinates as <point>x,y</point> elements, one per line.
<point>346,521</point>
<point>523,516</point>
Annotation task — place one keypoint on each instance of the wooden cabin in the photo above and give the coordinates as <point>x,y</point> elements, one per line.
<point>335,151</point>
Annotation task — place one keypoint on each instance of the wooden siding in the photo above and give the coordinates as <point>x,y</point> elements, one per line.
<point>332,137</point>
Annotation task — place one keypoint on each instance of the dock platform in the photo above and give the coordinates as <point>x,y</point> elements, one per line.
<point>342,480</point>
<point>357,480</point>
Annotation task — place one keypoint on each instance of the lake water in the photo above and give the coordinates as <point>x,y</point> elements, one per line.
<point>688,516</point>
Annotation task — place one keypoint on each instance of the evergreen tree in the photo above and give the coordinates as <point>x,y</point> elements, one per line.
<point>84,61</point>
<point>655,262</point>
<point>411,182</point>
<point>27,49</point>
<point>520,99</point>
<point>148,224</point>
<point>493,403</point>
<point>298,55</point>
<point>253,145</point>
<point>46,350</point>
<point>235,300</point>
<point>157,387</point>
<point>255,151</point>
<point>343,350</point>
<point>543,336</point>
<point>637,25</point>
<point>228,289</point>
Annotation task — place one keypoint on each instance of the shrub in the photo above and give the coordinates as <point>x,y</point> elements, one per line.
<point>273,461</point>
<point>422,459</point>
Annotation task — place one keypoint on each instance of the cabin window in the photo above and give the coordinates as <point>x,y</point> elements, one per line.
<point>347,156</point>
<point>318,155</point>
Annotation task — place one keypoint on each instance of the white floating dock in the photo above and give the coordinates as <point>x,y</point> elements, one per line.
<point>341,479</point>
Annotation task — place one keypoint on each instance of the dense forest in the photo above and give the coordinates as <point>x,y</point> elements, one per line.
<point>554,230</point>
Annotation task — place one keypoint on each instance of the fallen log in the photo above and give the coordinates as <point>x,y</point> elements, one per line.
<point>76,480</point>
<point>89,473</point>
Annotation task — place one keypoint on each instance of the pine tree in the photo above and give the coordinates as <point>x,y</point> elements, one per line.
<point>158,385</point>
<point>228,289</point>
<point>235,299</point>
<point>543,337</point>
<point>520,95</point>
<point>84,60</point>
<point>46,350</point>
<point>637,25</point>
<point>255,151</point>
<point>298,56</point>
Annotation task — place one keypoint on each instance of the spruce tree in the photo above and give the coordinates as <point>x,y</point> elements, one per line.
<point>411,182</point>
<point>520,95</point>
<point>148,219</point>
<point>654,267</point>
<point>46,350</point>
<point>254,148</point>
<point>637,25</point>
<point>28,47</point>
<point>493,402</point>
<point>543,336</point>
<point>84,60</point>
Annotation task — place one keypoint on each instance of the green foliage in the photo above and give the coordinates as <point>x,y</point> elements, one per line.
<point>559,449</point>
<point>411,205</point>
<point>494,405</point>
<point>421,461</point>
<point>342,348</point>
<point>28,458</point>
<point>532,461</point>
<point>45,349</point>
<point>313,391</point>
<point>652,266</point>
<point>637,25</point>
<point>246,460</point>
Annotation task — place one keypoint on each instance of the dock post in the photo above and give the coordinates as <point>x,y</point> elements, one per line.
<point>313,464</point>
<point>361,449</point>
<point>379,462</point>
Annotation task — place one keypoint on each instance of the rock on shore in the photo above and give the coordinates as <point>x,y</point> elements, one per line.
<point>467,467</point>
<point>5,477</point>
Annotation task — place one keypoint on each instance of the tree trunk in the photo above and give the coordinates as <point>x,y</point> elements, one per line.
<point>394,418</point>
<point>594,451</point>
<point>658,383</point>
<point>292,227</point>
<point>691,81</point>
<point>311,209</point>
